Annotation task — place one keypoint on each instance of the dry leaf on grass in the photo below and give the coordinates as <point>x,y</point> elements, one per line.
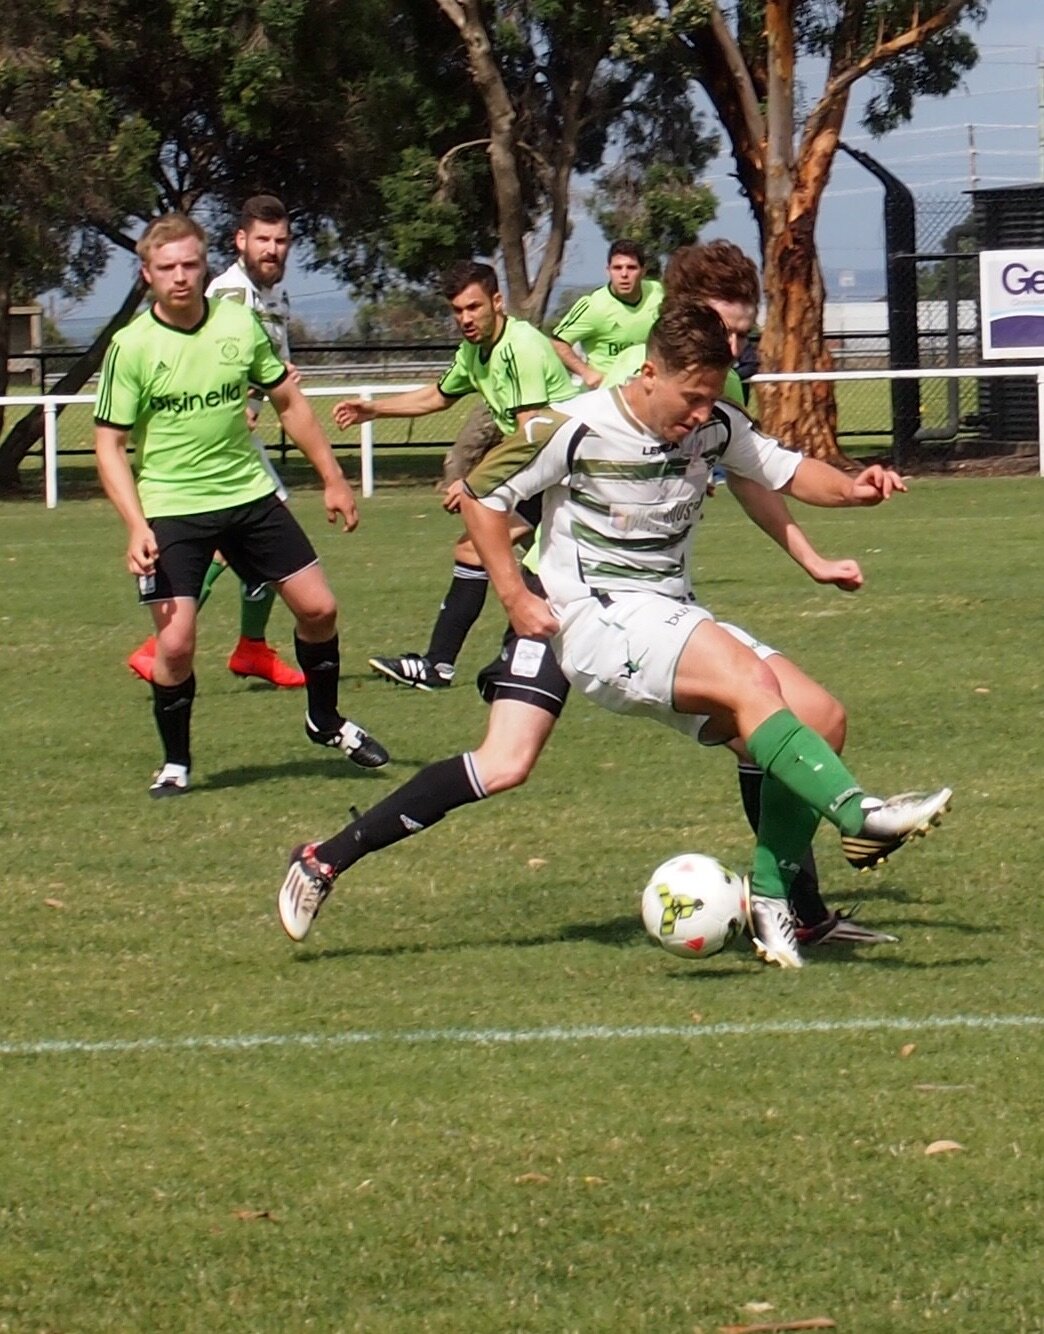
<point>535,863</point>
<point>907,1049</point>
<point>595,1181</point>
<point>53,903</point>
<point>255,1216</point>
<point>532,1179</point>
<point>944,1146</point>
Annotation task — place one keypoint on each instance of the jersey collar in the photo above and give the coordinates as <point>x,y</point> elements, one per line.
<point>174,328</point>
<point>631,305</point>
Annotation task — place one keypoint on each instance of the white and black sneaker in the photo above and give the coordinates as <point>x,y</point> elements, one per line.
<point>170,781</point>
<point>774,932</point>
<point>838,928</point>
<point>304,890</point>
<point>361,748</point>
<point>887,825</point>
<point>413,669</point>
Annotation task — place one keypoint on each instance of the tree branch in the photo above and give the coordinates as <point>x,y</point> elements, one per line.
<point>895,46</point>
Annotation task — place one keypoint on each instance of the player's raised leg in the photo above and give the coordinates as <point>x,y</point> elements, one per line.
<point>515,736</point>
<point>804,779</point>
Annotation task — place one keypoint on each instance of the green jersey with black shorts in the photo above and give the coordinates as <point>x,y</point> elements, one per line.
<point>181,394</point>
<point>604,324</point>
<point>520,371</point>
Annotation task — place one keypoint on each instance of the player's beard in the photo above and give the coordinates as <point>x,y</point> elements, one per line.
<point>265,275</point>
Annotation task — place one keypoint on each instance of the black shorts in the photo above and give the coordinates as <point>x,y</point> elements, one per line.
<point>525,669</point>
<point>261,541</point>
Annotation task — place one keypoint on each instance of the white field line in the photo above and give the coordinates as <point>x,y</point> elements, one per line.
<point>481,1037</point>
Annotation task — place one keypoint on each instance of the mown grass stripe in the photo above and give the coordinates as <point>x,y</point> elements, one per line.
<point>507,1036</point>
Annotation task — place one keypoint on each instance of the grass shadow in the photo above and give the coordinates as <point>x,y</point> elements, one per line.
<point>617,933</point>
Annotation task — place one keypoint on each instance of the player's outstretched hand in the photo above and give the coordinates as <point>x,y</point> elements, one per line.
<point>843,574</point>
<point>531,617</point>
<point>339,499</point>
<point>142,551</point>
<point>352,411</point>
<point>875,484</point>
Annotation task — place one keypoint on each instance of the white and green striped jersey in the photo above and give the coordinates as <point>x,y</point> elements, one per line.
<point>620,505</point>
<point>271,305</point>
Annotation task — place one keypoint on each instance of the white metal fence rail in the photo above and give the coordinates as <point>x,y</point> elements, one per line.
<point>50,403</point>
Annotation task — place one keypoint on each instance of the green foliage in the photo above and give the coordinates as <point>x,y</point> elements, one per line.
<point>660,207</point>
<point>406,314</point>
<point>349,1176</point>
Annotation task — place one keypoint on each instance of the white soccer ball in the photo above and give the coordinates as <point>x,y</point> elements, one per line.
<point>693,906</point>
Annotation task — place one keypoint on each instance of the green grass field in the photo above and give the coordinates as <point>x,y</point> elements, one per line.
<point>477,1099</point>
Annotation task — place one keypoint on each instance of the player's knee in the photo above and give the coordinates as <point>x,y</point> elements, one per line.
<point>317,619</point>
<point>834,723</point>
<point>500,773</point>
<point>177,651</point>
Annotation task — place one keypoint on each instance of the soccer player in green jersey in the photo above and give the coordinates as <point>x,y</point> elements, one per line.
<point>174,384</point>
<point>255,280</point>
<point>514,368</point>
<point>612,318</point>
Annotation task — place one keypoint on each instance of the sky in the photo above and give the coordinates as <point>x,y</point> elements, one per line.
<point>987,133</point>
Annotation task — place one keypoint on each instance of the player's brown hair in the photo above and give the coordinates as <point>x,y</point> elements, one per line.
<point>629,248</point>
<point>262,208</point>
<point>687,335</point>
<point>466,272</point>
<point>714,271</point>
<point>169,227</point>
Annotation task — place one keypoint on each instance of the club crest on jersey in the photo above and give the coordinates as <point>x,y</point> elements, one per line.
<point>229,350</point>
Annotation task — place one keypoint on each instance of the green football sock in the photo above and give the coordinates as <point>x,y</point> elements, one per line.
<point>216,570</point>
<point>803,762</point>
<point>786,828</point>
<point>254,610</point>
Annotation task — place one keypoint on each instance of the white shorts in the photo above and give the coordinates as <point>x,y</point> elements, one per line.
<point>622,652</point>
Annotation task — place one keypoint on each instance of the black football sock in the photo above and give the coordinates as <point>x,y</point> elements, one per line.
<point>172,709</point>
<point>804,894</point>
<point>461,608</point>
<point>321,664</point>
<point>418,804</point>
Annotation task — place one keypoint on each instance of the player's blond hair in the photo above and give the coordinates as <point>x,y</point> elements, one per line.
<point>170,227</point>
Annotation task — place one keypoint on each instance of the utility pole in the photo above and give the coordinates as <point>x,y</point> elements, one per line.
<point>1040,111</point>
<point>973,161</point>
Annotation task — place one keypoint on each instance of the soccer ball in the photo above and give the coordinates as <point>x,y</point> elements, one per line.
<point>693,906</point>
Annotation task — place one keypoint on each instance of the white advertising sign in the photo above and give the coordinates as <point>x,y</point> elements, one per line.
<point>1011,287</point>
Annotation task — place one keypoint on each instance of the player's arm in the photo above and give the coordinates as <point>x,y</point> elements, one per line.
<point>522,465</point>
<point>302,426</point>
<point>575,364</point>
<point>770,512</point>
<point>819,483</point>
<point>114,470</point>
<point>415,403</point>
